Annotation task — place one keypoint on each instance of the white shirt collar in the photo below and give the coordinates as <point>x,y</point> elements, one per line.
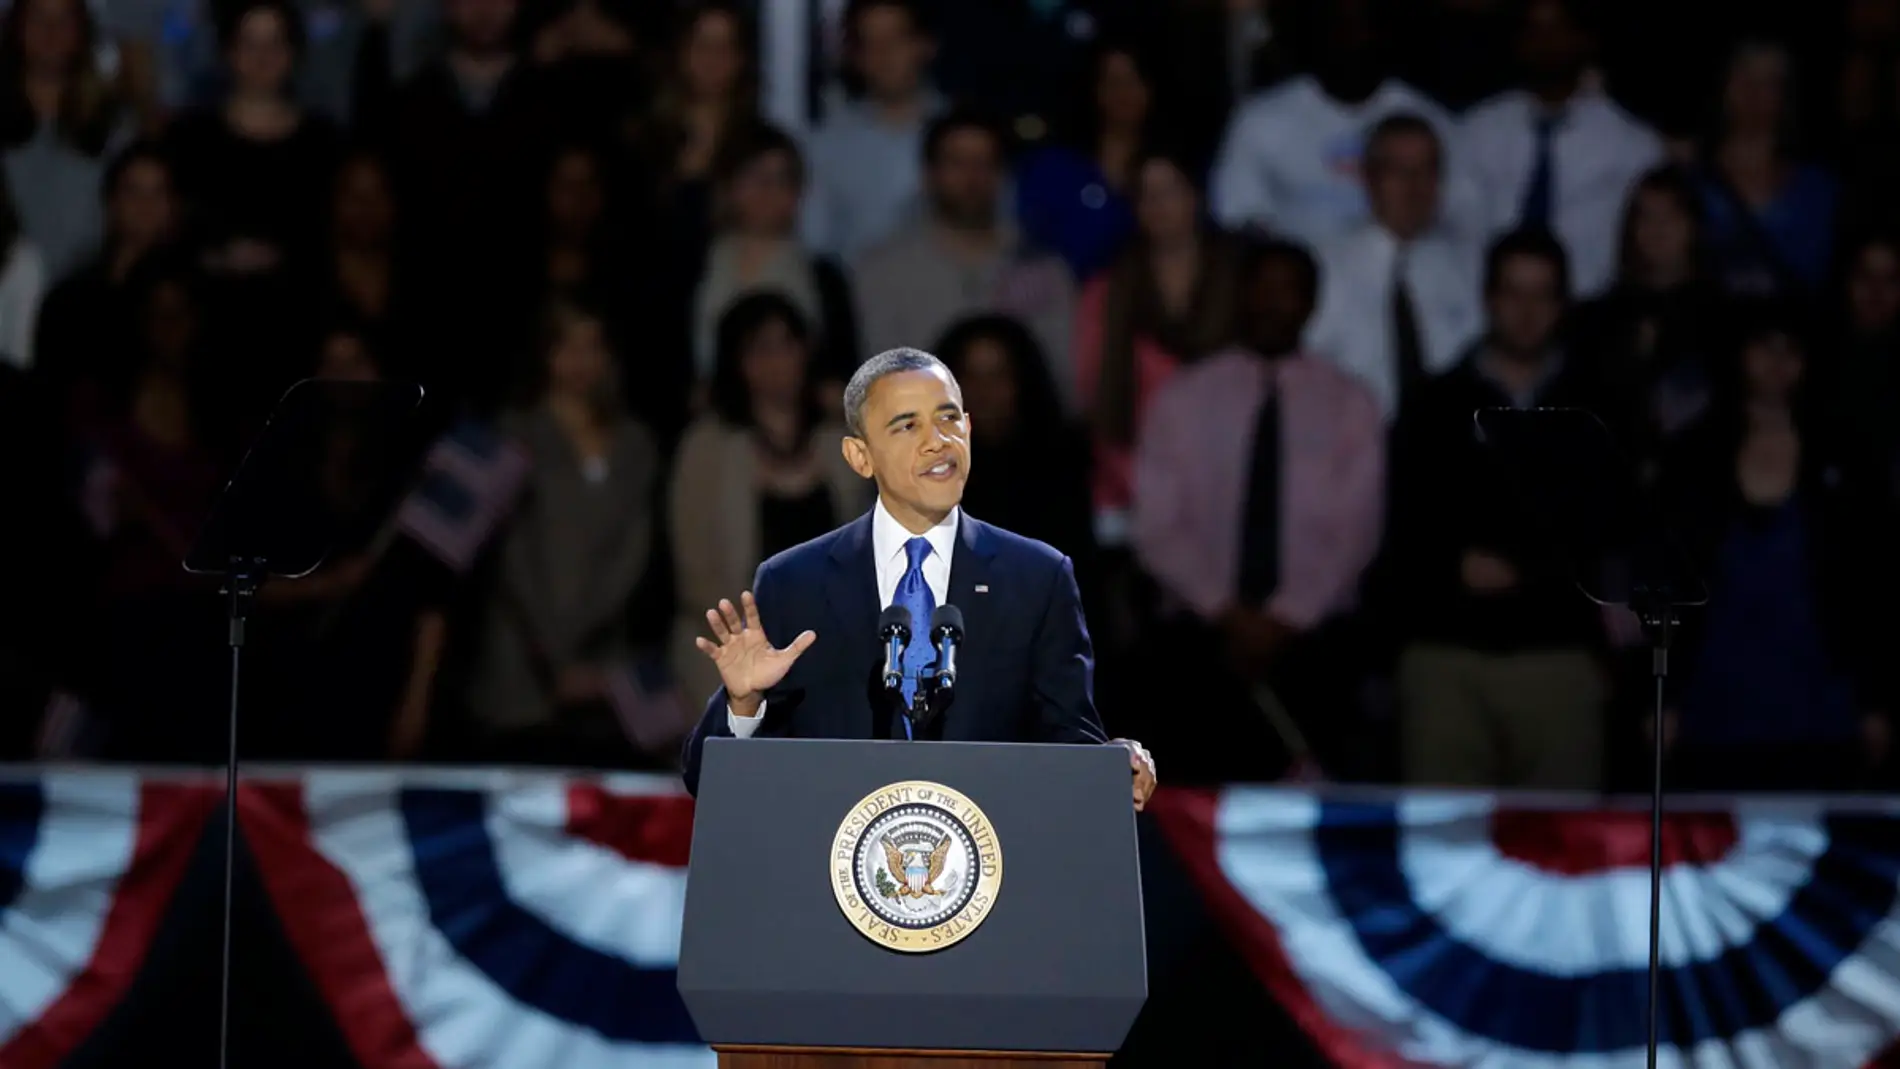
<point>888,536</point>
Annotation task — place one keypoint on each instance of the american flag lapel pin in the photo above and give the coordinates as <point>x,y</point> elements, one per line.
<point>982,588</point>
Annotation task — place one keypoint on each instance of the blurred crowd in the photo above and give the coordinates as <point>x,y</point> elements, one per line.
<point>1223,282</point>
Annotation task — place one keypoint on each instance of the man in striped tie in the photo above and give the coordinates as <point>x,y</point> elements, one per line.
<point>1025,667</point>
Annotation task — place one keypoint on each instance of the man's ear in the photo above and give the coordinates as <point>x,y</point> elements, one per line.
<point>858,455</point>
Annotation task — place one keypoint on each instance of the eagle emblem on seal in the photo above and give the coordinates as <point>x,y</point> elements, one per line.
<point>916,869</point>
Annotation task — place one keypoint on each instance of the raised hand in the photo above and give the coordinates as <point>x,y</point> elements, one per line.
<point>748,663</point>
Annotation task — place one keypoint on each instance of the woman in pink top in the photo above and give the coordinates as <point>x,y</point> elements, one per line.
<point>1168,299</point>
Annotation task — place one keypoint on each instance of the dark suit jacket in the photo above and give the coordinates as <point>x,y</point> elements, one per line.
<point>1024,672</point>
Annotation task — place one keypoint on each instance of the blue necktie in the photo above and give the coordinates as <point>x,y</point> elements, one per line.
<point>1539,196</point>
<point>915,596</point>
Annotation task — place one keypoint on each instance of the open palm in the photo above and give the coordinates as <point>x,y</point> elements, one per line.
<point>747,661</point>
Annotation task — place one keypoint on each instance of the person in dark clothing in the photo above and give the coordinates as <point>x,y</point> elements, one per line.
<point>153,434</point>
<point>1865,386</point>
<point>1499,681</point>
<point>1782,684</point>
<point>707,99</point>
<point>363,280</point>
<point>759,179</point>
<point>1034,479</point>
<point>466,143</point>
<point>88,320</point>
<point>1258,494</point>
<point>256,171</point>
<point>758,473</point>
<point>1075,196</point>
<point>589,248</point>
<point>1652,337</point>
<point>347,656</point>
<point>1018,59</point>
<point>42,544</point>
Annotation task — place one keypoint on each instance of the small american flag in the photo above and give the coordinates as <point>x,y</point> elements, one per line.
<point>469,482</point>
<point>647,705</point>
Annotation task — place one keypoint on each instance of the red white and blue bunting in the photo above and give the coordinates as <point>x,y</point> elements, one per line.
<point>486,921</point>
<point>1448,930</point>
<point>496,920</point>
<point>89,862</point>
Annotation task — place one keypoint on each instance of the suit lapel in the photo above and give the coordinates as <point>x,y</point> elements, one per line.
<point>851,594</point>
<point>970,568</point>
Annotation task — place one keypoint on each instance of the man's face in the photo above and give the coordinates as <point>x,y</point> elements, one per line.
<point>712,58</point>
<point>260,55</point>
<point>481,25</point>
<point>1873,288</point>
<point>1525,305</point>
<point>143,209</point>
<point>764,195</point>
<point>1550,47</point>
<point>1348,62</point>
<point>890,53</point>
<point>916,443</point>
<point>1402,182</point>
<point>575,197</point>
<point>966,178</point>
<point>1279,302</point>
<point>1167,206</point>
<point>1772,366</point>
<point>51,33</point>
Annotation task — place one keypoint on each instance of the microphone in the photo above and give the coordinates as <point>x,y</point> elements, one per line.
<point>946,632</point>
<point>893,627</point>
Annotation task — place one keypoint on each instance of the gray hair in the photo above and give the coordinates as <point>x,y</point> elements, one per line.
<point>888,362</point>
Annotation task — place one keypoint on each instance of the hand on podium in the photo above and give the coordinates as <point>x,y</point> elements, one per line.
<point>748,663</point>
<point>1143,764</point>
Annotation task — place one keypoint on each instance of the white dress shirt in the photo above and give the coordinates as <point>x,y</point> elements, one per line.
<point>1289,162</point>
<point>22,287</point>
<point>1353,326</point>
<point>888,538</point>
<point>789,49</point>
<point>865,178</point>
<point>1597,153</point>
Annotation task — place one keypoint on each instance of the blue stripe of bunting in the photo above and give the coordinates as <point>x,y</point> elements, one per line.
<point>536,965</point>
<point>1851,888</point>
<point>22,808</point>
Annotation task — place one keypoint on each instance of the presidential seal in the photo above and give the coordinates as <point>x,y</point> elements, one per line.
<point>916,867</point>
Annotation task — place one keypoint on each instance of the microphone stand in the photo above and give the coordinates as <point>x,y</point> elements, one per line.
<point>1582,495</point>
<point>271,520</point>
<point>933,698</point>
<point>1657,613</point>
<point>241,581</point>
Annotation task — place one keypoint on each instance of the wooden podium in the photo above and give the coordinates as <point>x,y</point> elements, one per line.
<point>742,1057</point>
<point>900,905</point>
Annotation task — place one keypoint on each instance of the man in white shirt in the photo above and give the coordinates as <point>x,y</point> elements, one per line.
<point>866,157</point>
<point>1290,162</point>
<point>1399,295</point>
<point>1025,666</point>
<point>963,257</point>
<point>1557,153</point>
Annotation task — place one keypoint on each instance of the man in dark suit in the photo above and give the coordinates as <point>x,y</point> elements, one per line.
<point>1025,665</point>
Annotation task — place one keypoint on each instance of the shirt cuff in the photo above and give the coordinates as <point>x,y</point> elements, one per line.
<point>743,726</point>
